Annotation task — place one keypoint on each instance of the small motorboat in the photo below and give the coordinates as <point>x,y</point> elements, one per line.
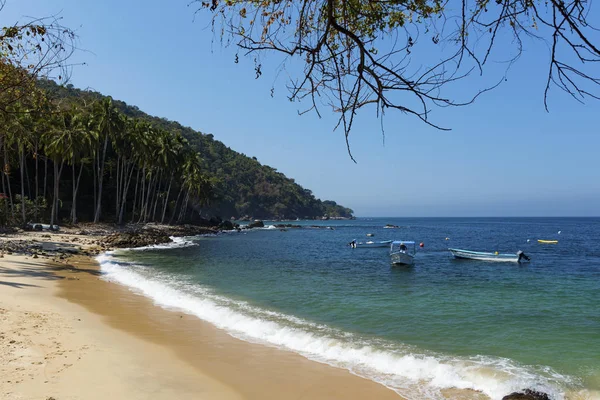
<point>390,226</point>
<point>369,244</point>
<point>519,256</point>
<point>401,253</point>
<point>547,241</point>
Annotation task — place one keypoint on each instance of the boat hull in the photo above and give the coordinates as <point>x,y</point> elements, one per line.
<point>483,256</point>
<point>400,258</point>
<point>373,244</point>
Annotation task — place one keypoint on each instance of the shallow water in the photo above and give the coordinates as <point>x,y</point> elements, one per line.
<point>443,323</point>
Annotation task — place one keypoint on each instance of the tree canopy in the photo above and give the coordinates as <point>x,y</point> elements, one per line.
<point>402,54</point>
<point>109,161</point>
<point>29,50</point>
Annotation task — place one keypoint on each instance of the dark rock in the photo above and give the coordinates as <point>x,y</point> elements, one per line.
<point>226,226</point>
<point>527,394</point>
<point>256,224</point>
<point>287,226</point>
<point>136,239</point>
<point>214,221</point>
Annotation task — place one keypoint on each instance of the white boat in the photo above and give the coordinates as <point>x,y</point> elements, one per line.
<point>370,244</point>
<point>401,252</point>
<point>519,256</point>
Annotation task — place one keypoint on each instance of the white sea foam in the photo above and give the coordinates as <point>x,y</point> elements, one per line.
<point>412,373</point>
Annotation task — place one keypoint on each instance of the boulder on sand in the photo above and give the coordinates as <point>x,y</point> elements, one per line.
<point>527,394</point>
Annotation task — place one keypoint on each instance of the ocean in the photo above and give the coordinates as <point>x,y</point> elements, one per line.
<point>483,327</point>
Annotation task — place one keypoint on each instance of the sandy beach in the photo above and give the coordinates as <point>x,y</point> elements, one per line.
<point>67,334</point>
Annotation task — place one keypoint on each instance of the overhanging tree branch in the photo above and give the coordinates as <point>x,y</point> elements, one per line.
<point>358,53</point>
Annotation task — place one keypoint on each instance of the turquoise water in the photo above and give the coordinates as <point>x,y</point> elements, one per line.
<point>443,323</point>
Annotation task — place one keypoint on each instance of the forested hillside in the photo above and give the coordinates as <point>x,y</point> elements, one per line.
<point>139,168</point>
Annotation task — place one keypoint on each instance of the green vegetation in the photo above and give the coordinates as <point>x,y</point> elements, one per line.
<point>71,155</point>
<point>39,48</point>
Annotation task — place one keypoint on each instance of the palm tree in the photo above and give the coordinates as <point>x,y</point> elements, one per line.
<point>127,146</point>
<point>54,146</point>
<point>178,144</point>
<point>66,142</point>
<point>140,130</point>
<point>195,184</point>
<point>108,122</point>
<point>23,137</point>
<point>79,144</point>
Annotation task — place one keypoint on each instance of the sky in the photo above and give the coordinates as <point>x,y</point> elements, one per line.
<point>505,155</point>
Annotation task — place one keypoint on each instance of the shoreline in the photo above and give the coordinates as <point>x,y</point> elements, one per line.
<point>120,342</point>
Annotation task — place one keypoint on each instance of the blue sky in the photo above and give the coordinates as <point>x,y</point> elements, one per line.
<point>505,156</point>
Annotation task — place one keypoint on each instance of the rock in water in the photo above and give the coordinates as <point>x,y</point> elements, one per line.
<point>256,224</point>
<point>226,225</point>
<point>527,394</point>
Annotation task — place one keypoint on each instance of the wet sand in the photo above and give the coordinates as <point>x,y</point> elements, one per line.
<point>254,371</point>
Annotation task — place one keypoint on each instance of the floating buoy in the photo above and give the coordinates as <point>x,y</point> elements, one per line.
<point>496,253</point>
<point>447,238</point>
<point>559,232</point>
<point>421,244</point>
<point>528,240</point>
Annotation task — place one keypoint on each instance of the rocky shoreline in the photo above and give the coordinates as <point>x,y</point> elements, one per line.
<point>90,240</point>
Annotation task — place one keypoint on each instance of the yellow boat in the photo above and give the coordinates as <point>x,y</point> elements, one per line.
<point>547,241</point>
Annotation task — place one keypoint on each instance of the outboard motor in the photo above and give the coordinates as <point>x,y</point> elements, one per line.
<point>523,256</point>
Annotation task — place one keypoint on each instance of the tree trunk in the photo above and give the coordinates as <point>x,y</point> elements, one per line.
<point>27,177</point>
<point>118,196</point>
<point>156,196</point>
<point>2,173</point>
<point>175,206</point>
<point>100,180</point>
<point>125,190</point>
<point>144,196</point>
<point>12,210</point>
<point>37,156</point>
<point>45,175</point>
<point>166,202</point>
<point>183,206</point>
<point>22,167</point>
<point>53,215</point>
<point>95,173</point>
<point>148,198</point>
<point>73,196</point>
<point>137,181</point>
<point>75,190</point>
<point>142,192</point>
